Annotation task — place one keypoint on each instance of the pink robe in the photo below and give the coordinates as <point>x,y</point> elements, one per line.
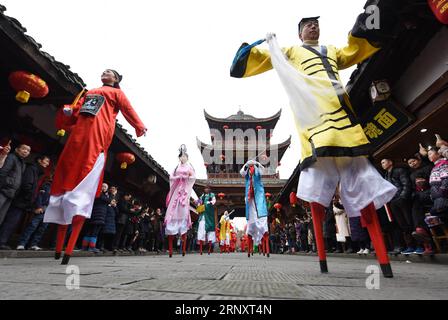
<point>178,219</point>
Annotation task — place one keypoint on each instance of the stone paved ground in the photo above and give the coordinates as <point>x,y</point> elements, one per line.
<point>217,276</point>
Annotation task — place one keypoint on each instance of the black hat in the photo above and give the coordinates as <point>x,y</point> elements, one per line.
<point>305,20</point>
<point>118,76</point>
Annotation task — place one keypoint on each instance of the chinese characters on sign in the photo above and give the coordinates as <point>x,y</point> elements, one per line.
<point>383,121</point>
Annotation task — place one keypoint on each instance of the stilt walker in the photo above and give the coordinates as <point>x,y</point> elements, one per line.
<point>333,144</point>
<point>177,218</point>
<point>207,221</point>
<point>256,207</point>
<point>79,172</point>
<point>224,232</point>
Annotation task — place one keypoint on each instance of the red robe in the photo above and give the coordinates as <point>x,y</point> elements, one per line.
<point>90,136</point>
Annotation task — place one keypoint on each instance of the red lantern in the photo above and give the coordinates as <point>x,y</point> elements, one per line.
<point>126,159</point>
<point>293,199</point>
<point>221,195</point>
<point>278,206</point>
<point>206,165</point>
<point>223,157</point>
<point>27,85</point>
<point>440,9</point>
<point>259,127</point>
<point>225,127</point>
<point>268,195</point>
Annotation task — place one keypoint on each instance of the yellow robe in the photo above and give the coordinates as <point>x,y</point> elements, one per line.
<point>339,134</point>
<point>224,228</point>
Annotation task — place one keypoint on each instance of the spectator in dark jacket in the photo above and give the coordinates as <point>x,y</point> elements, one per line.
<point>421,194</point>
<point>24,200</point>
<point>132,229</point>
<point>145,227</point>
<point>329,230</point>
<point>400,205</point>
<point>36,228</point>
<point>97,220</point>
<point>107,234</point>
<point>11,177</point>
<point>156,242</point>
<point>124,212</point>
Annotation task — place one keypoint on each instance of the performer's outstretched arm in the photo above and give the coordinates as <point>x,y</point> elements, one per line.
<point>252,62</point>
<point>130,115</point>
<point>356,51</point>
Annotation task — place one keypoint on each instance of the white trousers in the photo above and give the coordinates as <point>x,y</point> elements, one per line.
<point>360,184</point>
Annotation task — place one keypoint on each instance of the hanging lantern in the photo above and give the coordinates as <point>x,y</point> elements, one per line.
<point>27,85</point>
<point>258,127</point>
<point>293,199</point>
<point>440,9</point>
<point>126,159</point>
<point>221,195</point>
<point>206,164</point>
<point>268,195</point>
<point>278,206</point>
<point>279,164</point>
<point>225,127</point>
<point>222,157</point>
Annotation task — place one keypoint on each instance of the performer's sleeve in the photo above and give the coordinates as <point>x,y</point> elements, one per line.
<point>66,122</point>
<point>130,114</point>
<point>356,51</point>
<point>253,62</point>
<point>243,171</point>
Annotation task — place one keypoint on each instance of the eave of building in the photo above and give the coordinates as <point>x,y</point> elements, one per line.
<point>217,123</point>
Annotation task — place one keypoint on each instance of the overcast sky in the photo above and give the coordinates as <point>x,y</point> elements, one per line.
<point>175,56</point>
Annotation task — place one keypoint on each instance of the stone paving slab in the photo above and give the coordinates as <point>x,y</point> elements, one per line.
<point>216,277</point>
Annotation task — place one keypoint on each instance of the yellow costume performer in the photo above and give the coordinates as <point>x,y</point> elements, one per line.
<point>334,147</point>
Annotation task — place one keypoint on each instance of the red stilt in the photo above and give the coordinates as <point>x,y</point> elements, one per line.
<point>210,247</point>
<point>170,245</point>
<point>60,239</point>
<point>263,244</point>
<point>184,244</point>
<point>318,214</point>
<point>77,223</point>
<point>200,246</point>
<point>249,245</point>
<point>266,240</point>
<point>372,223</point>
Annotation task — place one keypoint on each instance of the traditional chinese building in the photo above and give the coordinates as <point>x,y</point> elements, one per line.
<point>228,152</point>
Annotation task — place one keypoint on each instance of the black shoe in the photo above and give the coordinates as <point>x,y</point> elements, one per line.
<point>57,255</point>
<point>349,251</point>
<point>5,247</point>
<point>183,254</point>
<point>65,259</point>
<point>170,255</point>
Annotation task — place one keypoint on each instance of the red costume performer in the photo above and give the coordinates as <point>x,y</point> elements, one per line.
<point>80,168</point>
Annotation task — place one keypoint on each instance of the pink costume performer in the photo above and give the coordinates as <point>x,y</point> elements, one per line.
<point>177,219</point>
